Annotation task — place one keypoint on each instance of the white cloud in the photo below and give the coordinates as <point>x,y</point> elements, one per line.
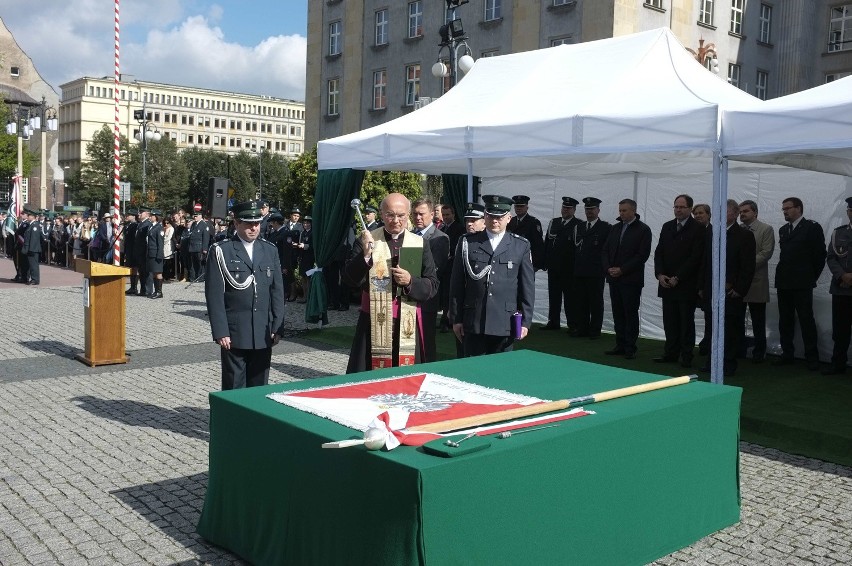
<point>73,38</point>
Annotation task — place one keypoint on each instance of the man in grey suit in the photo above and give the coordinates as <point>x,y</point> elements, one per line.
<point>439,245</point>
<point>758,294</point>
<point>493,278</point>
<point>245,300</point>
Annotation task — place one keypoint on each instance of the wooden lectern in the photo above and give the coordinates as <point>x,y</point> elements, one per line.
<point>103,308</point>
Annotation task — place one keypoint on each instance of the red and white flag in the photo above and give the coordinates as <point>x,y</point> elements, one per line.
<point>399,403</point>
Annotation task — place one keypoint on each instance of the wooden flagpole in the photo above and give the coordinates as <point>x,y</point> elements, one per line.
<point>540,408</point>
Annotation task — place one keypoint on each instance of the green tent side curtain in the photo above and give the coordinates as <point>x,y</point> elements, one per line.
<point>332,215</point>
<point>455,192</point>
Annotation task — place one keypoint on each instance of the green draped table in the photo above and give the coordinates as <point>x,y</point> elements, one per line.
<point>643,477</point>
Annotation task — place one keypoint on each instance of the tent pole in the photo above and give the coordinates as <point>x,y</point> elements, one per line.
<point>470,179</point>
<point>720,212</point>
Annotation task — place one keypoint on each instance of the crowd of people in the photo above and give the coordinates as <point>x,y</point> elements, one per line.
<point>417,268</point>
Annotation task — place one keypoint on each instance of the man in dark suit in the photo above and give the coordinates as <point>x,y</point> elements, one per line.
<point>245,300</point>
<point>528,227</point>
<point>452,226</point>
<point>802,259</point>
<point>677,260</point>
<point>739,271</point>
<point>31,249</point>
<point>130,251</point>
<point>389,292</point>
<point>199,242</point>
<point>623,258</point>
<point>588,285</point>
<point>559,252</point>
<point>439,245</point>
<point>493,283</point>
<point>155,257</point>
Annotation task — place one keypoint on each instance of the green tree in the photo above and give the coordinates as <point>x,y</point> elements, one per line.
<point>166,183</point>
<point>302,182</point>
<point>97,173</point>
<point>378,184</point>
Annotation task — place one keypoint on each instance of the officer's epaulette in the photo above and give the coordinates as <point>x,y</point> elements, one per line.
<point>265,241</point>
<point>518,237</point>
<point>841,227</point>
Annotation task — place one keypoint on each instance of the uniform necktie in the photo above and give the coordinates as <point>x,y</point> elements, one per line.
<point>588,226</point>
<point>679,226</point>
<point>564,222</point>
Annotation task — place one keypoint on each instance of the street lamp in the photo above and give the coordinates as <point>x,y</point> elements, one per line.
<point>452,38</point>
<point>148,132</point>
<point>706,56</point>
<point>43,117</point>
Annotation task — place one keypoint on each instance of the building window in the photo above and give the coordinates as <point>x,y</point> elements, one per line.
<point>380,89</point>
<point>840,28</point>
<point>566,2</point>
<point>705,12</point>
<point>652,3</point>
<point>382,27</point>
<point>765,23</point>
<point>412,84</point>
<point>15,71</point>
<point>734,74</point>
<point>493,10</point>
<point>332,108</point>
<point>737,17</point>
<point>830,78</point>
<point>334,38</point>
<point>415,19</point>
<point>760,84</point>
<point>492,53</point>
<point>560,41</point>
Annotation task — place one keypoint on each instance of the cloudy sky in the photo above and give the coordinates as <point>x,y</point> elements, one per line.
<point>249,46</point>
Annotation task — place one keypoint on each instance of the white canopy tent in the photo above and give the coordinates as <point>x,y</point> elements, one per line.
<point>811,129</point>
<point>635,106</point>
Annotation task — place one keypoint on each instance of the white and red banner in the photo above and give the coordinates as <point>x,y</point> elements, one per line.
<point>403,402</point>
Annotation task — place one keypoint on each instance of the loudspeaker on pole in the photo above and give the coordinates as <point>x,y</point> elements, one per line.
<point>217,197</point>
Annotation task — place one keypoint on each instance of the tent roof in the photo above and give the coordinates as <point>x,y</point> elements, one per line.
<point>811,129</point>
<point>632,103</point>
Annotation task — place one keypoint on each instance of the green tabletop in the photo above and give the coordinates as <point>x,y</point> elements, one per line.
<point>644,476</point>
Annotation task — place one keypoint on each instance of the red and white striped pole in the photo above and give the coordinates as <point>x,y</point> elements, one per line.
<point>116,187</point>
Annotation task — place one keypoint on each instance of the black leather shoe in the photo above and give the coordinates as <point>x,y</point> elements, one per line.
<point>834,370</point>
<point>343,308</point>
<point>131,292</point>
<point>630,356</point>
<point>615,352</point>
<point>665,360</point>
<point>549,326</point>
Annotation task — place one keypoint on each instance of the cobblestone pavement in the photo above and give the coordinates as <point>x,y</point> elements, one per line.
<point>108,465</point>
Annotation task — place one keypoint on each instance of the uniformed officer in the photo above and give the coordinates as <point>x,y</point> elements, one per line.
<point>245,300</point>
<point>199,241</point>
<point>492,284</point>
<point>840,264</point>
<point>155,257</point>
<point>264,220</point>
<point>141,248</point>
<point>474,221</point>
<point>33,238</point>
<point>589,278</point>
<point>529,227</point>
<point>22,264</point>
<point>559,253</point>
<point>304,247</point>
<point>370,215</point>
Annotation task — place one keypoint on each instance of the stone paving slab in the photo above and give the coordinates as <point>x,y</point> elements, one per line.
<point>108,465</point>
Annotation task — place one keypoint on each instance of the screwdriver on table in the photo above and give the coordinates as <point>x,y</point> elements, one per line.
<point>509,433</point>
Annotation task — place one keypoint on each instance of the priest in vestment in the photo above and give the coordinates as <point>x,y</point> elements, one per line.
<point>395,272</point>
